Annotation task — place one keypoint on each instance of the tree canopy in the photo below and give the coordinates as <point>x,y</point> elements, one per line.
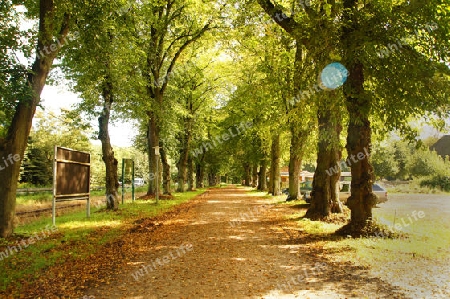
<point>232,90</point>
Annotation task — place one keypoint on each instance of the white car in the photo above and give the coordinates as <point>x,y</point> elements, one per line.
<point>139,182</point>
<point>345,193</point>
<point>380,192</point>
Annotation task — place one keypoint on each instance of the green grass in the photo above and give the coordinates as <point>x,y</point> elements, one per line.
<point>40,197</point>
<point>425,238</point>
<point>413,187</point>
<point>81,235</point>
<point>43,197</point>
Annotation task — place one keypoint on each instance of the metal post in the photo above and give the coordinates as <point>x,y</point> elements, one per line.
<point>157,180</point>
<point>88,208</point>
<point>123,175</point>
<point>157,174</point>
<point>132,179</point>
<point>54,188</point>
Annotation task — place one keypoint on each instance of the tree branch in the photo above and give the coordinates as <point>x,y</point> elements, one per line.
<point>287,23</point>
<point>181,49</point>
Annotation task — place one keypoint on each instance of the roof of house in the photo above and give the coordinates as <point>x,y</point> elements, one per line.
<point>442,146</point>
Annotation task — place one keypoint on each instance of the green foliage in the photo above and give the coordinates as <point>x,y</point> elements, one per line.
<point>98,166</point>
<point>105,53</point>
<point>384,162</point>
<point>425,163</point>
<point>37,168</point>
<point>402,160</point>
<point>13,75</point>
<point>50,130</point>
<point>437,181</point>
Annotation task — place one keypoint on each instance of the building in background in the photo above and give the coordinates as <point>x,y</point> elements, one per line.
<point>442,146</point>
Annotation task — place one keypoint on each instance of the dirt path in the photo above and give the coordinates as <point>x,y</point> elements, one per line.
<point>204,252</point>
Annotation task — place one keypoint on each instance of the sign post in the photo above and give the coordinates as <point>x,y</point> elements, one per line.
<point>132,180</point>
<point>127,167</point>
<point>157,174</point>
<point>123,178</point>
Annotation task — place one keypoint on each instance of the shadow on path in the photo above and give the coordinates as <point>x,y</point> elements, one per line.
<point>240,246</point>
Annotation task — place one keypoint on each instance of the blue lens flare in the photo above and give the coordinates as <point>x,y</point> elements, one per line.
<point>333,75</point>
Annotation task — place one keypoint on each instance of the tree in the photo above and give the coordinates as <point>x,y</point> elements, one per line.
<point>54,23</point>
<point>384,163</point>
<point>100,65</point>
<point>263,61</point>
<point>191,93</point>
<point>168,29</point>
<point>37,169</point>
<point>325,197</point>
<point>424,162</point>
<point>423,90</point>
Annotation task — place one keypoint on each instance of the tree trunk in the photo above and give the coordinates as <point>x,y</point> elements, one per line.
<point>262,182</point>
<point>362,199</point>
<point>298,144</point>
<point>325,192</point>
<point>15,142</point>
<point>295,164</point>
<point>271,177</point>
<point>184,155</point>
<point>152,141</point>
<point>200,174</point>
<point>247,175</point>
<point>275,179</point>
<point>190,177</point>
<point>166,170</point>
<point>13,145</point>
<point>182,173</point>
<point>255,175</point>
<point>111,177</point>
<point>300,129</point>
<point>212,179</point>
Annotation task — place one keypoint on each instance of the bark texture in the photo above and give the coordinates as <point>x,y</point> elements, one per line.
<point>200,174</point>
<point>275,176</point>
<point>247,174</point>
<point>165,170</point>
<point>296,151</point>
<point>262,182</point>
<point>325,192</point>
<point>190,176</point>
<point>300,130</point>
<point>15,141</point>
<point>185,140</point>
<point>152,141</point>
<point>362,199</point>
<point>255,175</point>
<point>213,178</point>
<point>112,180</point>
<point>358,105</point>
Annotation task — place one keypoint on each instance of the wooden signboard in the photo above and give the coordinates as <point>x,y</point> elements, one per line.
<point>71,177</point>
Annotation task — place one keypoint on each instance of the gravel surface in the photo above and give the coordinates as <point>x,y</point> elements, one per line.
<point>228,244</point>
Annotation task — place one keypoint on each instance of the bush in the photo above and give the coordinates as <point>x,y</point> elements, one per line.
<point>439,181</point>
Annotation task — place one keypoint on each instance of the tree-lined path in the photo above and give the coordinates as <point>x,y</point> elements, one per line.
<point>230,244</point>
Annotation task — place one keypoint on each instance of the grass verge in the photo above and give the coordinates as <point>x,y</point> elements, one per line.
<point>416,237</point>
<point>37,246</point>
<point>423,238</point>
<point>47,196</point>
<point>413,252</point>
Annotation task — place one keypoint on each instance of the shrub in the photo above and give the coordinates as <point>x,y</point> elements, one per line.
<point>438,181</point>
